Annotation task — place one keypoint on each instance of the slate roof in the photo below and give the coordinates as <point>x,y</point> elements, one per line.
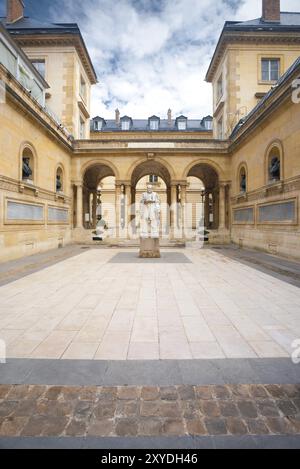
<point>142,125</point>
<point>261,103</point>
<point>288,21</point>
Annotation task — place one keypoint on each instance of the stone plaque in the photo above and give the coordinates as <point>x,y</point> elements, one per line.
<point>24,212</point>
<point>59,215</point>
<point>244,215</point>
<point>279,212</point>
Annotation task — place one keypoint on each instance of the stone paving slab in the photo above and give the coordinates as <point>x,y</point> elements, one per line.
<point>135,411</point>
<point>158,372</point>
<point>166,258</point>
<point>87,307</point>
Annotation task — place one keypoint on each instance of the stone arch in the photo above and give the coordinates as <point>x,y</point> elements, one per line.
<point>99,162</point>
<point>209,163</point>
<point>150,167</point>
<point>158,161</point>
<point>274,150</point>
<point>242,167</point>
<point>28,150</point>
<point>60,170</point>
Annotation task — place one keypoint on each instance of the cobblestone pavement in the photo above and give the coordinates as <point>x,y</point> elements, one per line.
<point>32,411</point>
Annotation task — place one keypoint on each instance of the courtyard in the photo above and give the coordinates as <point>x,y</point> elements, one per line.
<point>191,350</point>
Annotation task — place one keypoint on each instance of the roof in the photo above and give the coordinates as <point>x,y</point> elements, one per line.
<point>283,79</point>
<point>29,26</point>
<point>289,22</point>
<point>142,125</point>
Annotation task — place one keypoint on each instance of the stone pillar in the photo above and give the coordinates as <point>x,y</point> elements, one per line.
<point>206,209</point>
<point>128,207</point>
<point>79,201</point>
<point>94,215</point>
<point>222,206</point>
<point>118,209</point>
<point>173,211</point>
<point>183,209</point>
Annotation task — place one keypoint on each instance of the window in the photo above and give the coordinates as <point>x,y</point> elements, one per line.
<point>153,179</point>
<point>208,124</point>
<point>270,69</point>
<point>181,125</point>
<point>220,88</point>
<point>98,125</point>
<point>40,65</point>
<point>220,131</point>
<point>125,125</point>
<point>154,125</point>
<point>82,90</point>
<point>81,128</point>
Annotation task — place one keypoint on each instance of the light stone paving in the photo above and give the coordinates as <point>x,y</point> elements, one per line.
<point>88,308</point>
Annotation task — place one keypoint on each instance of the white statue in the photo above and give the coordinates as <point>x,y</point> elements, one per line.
<point>150,213</point>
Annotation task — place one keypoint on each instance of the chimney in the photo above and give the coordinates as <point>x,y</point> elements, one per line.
<point>15,10</point>
<point>271,11</point>
<point>117,117</point>
<point>169,117</point>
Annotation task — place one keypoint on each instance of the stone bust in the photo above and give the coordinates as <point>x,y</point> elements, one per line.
<point>26,170</point>
<point>150,213</point>
<point>58,183</point>
<point>275,169</point>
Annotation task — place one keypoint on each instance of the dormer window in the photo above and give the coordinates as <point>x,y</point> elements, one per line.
<point>181,123</point>
<point>207,123</point>
<point>126,123</point>
<point>154,123</point>
<point>99,124</point>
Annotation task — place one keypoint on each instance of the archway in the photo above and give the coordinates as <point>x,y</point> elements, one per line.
<point>206,197</point>
<point>98,195</point>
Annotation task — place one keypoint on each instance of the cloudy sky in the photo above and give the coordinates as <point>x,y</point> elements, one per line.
<point>150,54</point>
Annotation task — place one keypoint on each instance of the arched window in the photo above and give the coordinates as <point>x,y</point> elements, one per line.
<point>59,182</point>
<point>274,165</point>
<point>243,179</point>
<point>27,165</point>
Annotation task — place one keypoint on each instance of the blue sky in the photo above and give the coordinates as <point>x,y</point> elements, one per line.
<point>150,55</point>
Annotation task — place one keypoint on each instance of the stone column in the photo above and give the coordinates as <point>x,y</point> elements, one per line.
<point>79,201</point>
<point>94,215</point>
<point>206,209</point>
<point>183,208</point>
<point>118,209</point>
<point>222,206</point>
<point>128,207</point>
<point>173,211</point>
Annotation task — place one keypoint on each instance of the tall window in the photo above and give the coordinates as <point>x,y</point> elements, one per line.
<point>243,180</point>
<point>220,129</point>
<point>98,125</point>
<point>153,179</point>
<point>82,89</point>
<point>81,128</point>
<point>40,65</point>
<point>220,89</point>
<point>59,180</point>
<point>270,69</point>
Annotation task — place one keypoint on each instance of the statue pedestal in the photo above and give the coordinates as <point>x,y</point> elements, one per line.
<point>149,248</point>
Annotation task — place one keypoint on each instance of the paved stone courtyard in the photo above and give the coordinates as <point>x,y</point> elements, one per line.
<point>149,411</point>
<point>97,305</point>
<point>188,351</point>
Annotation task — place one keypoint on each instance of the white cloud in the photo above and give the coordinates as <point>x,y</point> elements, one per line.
<point>153,54</point>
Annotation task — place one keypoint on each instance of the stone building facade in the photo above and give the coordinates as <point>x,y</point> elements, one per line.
<point>241,175</point>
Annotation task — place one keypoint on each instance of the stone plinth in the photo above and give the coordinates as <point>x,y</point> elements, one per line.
<point>149,248</point>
